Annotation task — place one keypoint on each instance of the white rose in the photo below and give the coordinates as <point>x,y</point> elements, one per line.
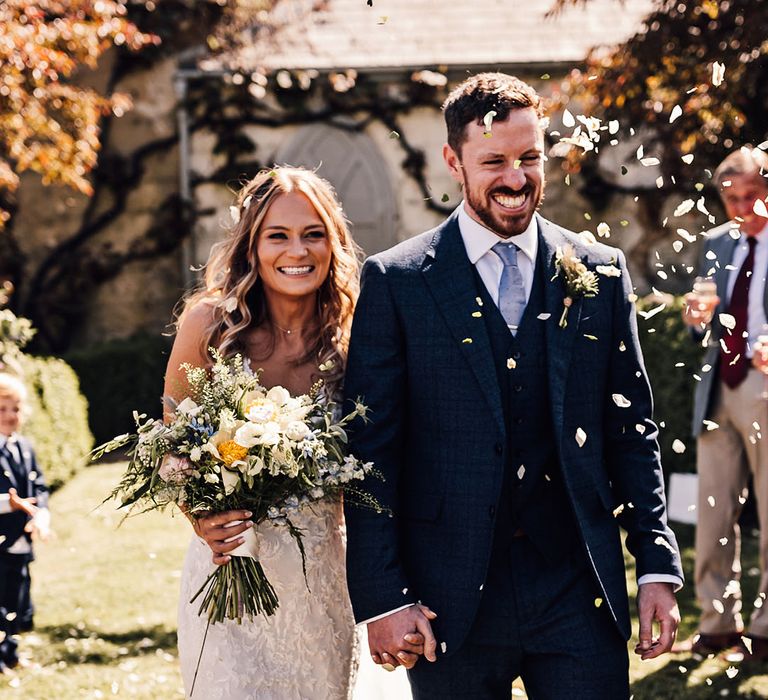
<point>278,395</point>
<point>296,431</point>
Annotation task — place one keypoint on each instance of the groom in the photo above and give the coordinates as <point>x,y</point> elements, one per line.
<point>510,415</point>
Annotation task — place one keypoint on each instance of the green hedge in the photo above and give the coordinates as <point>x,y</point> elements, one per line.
<point>666,343</point>
<point>58,421</point>
<point>119,377</point>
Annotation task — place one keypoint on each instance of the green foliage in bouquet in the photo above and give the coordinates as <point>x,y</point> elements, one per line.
<point>119,377</point>
<point>234,445</point>
<point>672,357</point>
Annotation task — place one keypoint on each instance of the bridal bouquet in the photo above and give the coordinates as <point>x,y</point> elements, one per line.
<point>231,445</point>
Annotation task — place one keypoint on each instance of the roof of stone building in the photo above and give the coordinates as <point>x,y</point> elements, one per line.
<point>337,34</point>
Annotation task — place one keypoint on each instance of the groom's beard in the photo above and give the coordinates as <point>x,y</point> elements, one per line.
<point>490,216</point>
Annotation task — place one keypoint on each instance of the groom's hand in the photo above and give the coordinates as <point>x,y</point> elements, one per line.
<point>656,602</point>
<point>399,638</point>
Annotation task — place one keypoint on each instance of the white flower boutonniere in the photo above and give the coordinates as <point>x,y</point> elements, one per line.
<point>578,280</point>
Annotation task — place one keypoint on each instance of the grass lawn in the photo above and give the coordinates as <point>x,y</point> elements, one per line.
<point>106,611</point>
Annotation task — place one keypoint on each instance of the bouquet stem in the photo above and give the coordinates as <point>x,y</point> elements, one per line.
<point>235,590</point>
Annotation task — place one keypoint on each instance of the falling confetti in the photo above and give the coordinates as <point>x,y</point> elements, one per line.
<point>568,119</point>
<point>731,671</point>
<point>521,472</point>
<point>678,447</point>
<point>234,212</point>
<point>727,321</point>
<point>581,437</point>
<point>488,121</point>
<point>718,606</point>
<point>718,73</point>
<point>687,159</point>
<point>677,112</point>
<point>759,208</point>
<point>511,363</point>
<point>621,401</point>
<point>603,230</point>
<point>684,207</point>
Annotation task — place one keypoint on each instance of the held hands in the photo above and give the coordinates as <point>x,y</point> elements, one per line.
<point>656,602</point>
<point>398,639</point>
<point>222,531</point>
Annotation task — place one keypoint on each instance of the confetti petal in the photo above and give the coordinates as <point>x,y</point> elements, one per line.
<point>568,119</point>
<point>684,207</point>
<point>759,208</point>
<point>678,447</point>
<point>687,158</point>
<point>621,401</point>
<point>511,363</point>
<point>581,437</point>
<point>718,73</point>
<point>677,112</point>
<point>727,321</point>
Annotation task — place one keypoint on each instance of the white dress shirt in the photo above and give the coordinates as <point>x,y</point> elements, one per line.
<point>756,310</point>
<point>478,242</point>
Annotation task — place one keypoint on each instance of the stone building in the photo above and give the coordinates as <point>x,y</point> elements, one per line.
<point>337,85</point>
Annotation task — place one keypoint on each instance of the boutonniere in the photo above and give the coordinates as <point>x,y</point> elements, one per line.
<point>578,280</point>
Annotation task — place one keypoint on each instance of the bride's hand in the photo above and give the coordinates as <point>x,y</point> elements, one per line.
<point>222,531</point>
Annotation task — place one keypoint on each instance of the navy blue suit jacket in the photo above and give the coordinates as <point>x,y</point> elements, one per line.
<point>420,358</point>
<point>33,486</point>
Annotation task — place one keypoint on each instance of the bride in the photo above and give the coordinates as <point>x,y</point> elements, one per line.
<point>280,290</point>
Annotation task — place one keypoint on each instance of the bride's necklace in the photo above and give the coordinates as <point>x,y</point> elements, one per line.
<point>288,331</point>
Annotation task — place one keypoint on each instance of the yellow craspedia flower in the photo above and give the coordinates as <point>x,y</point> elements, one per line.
<point>230,452</point>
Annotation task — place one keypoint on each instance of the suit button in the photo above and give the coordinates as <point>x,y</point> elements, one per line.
<point>492,512</point>
<point>519,421</point>
<point>498,448</point>
<point>516,355</point>
<point>518,387</point>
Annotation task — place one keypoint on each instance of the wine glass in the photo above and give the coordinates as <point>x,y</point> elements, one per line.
<point>703,300</point>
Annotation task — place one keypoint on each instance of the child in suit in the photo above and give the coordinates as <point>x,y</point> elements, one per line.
<point>23,511</point>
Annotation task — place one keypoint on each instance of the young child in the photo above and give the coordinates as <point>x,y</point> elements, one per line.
<point>23,510</point>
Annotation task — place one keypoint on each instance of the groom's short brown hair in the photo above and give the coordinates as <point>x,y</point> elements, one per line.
<point>476,96</point>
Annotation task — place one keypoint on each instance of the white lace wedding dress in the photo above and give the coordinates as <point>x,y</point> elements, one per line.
<point>307,650</point>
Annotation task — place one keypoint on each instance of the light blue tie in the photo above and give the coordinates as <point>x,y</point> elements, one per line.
<point>511,287</point>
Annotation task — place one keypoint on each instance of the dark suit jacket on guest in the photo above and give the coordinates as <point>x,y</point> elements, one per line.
<point>717,254</point>
<point>420,358</point>
<point>32,485</point>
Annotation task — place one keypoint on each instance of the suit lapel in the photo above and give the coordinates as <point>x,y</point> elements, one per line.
<point>559,340</point>
<point>451,281</point>
<point>8,470</point>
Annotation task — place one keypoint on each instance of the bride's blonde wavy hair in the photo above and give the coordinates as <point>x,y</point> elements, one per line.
<point>234,290</point>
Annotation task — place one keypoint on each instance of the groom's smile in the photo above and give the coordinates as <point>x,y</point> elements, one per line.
<point>501,171</point>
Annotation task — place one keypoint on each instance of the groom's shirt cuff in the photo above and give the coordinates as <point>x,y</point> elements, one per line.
<point>676,581</point>
<point>386,614</point>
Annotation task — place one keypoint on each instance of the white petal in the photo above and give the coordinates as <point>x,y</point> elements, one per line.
<point>581,437</point>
